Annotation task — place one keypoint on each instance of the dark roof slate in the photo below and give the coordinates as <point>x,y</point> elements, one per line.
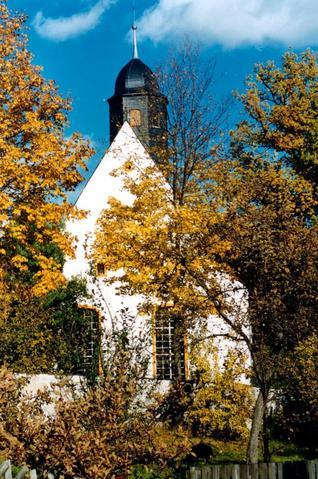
<point>135,77</point>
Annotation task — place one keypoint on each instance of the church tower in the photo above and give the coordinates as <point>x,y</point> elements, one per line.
<point>137,99</point>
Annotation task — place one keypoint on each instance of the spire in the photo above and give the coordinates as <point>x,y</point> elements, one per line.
<point>134,29</point>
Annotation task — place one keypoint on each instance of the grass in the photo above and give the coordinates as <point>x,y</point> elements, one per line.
<point>235,453</point>
<point>286,451</point>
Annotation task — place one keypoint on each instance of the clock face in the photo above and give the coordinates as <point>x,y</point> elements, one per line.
<point>135,118</point>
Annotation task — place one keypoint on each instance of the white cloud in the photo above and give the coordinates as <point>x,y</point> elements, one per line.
<point>233,23</point>
<point>63,28</point>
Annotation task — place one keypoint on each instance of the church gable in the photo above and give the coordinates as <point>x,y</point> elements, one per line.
<point>101,186</point>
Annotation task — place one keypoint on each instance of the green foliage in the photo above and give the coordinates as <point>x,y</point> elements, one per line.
<point>154,472</point>
<point>296,415</point>
<point>45,334</point>
<point>26,334</point>
<point>283,451</point>
<point>70,327</point>
<point>221,403</point>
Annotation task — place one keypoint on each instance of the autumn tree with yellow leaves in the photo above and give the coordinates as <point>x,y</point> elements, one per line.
<point>194,122</point>
<point>216,405</point>
<point>39,166</point>
<point>242,243</point>
<point>281,103</point>
<point>235,238</point>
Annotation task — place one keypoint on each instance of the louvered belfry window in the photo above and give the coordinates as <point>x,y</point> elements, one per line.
<point>169,347</point>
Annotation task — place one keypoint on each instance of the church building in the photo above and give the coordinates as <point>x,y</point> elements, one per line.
<point>138,129</point>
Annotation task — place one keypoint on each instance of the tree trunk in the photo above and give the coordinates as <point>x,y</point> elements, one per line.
<point>257,420</point>
<point>266,436</point>
<point>178,348</point>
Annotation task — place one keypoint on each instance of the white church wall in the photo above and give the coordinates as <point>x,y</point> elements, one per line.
<point>93,199</point>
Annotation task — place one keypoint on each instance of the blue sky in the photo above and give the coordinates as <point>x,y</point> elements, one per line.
<point>82,44</point>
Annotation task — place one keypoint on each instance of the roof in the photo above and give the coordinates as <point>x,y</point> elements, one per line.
<point>135,77</point>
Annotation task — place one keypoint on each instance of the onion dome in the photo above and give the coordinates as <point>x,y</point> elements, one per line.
<point>135,77</point>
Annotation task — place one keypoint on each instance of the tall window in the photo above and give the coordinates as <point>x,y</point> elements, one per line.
<point>90,359</point>
<point>169,347</point>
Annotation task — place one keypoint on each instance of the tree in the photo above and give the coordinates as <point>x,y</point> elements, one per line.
<point>270,222</point>
<point>242,243</point>
<point>217,403</point>
<point>282,120</point>
<point>296,413</point>
<point>39,165</point>
<point>195,117</point>
<point>281,104</point>
<point>49,334</point>
<point>95,431</point>
<point>253,226</point>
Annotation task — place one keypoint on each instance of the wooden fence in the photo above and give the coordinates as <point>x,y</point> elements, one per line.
<point>287,470</point>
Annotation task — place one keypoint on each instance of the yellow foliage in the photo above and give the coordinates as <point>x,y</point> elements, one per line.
<point>282,105</point>
<point>221,406</point>
<point>38,164</point>
<point>157,254</point>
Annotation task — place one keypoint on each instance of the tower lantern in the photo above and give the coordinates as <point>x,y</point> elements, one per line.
<point>138,100</point>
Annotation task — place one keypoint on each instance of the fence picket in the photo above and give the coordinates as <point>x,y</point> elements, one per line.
<point>215,472</point>
<point>8,473</point>
<point>23,471</point>
<point>254,471</point>
<point>311,470</point>
<point>235,471</point>
<point>287,470</point>
<point>263,471</point>
<point>206,472</point>
<point>272,470</point>
<point>3,468</point>
<point>244,470</point>
<point>195,473</point>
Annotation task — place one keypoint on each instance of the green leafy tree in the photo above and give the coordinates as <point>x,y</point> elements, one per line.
<point>47,335</point>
